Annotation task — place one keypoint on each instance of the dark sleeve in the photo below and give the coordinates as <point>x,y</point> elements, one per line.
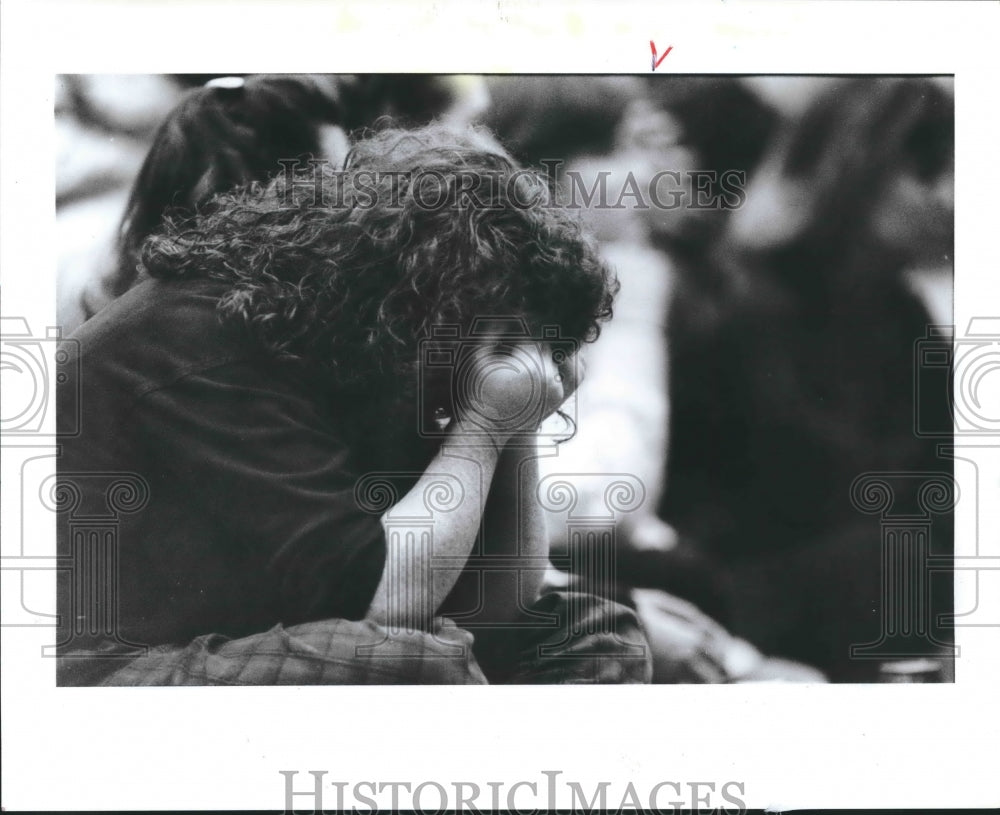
<point>267,466</point>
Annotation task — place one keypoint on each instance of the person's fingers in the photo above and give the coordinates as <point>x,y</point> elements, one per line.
<point>513,385</point>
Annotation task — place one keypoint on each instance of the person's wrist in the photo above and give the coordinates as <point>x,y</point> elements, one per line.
<point>467,433</point>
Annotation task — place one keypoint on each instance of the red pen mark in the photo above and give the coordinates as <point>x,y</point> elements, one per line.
<point>656,62</point>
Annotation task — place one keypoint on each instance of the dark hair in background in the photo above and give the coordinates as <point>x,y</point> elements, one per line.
<point>557,117</point>
<point>221,137</point>
<point>722,119</point>
<point>404,100</point>
<point>216,139</point>
<point>407,99</point>
<point>848,145</point>
<point>352,289</point>
<point>729,128</point>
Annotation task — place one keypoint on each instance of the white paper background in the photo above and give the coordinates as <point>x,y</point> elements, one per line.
<point>837,746</point>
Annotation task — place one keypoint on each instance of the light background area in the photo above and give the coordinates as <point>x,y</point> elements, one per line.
<point>836,746</point>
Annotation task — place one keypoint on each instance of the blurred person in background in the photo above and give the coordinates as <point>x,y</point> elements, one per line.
<point>792,368</point>
<point>591,134</point>
<point>103,126</point>
<point>714,131</point>
<point>699,129</point>
<point>212,134</point>
<point>226,134</point>
<point>606,133</point>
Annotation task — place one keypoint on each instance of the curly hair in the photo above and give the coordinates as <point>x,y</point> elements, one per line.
<point>351,270</point>
<point>215,139</point>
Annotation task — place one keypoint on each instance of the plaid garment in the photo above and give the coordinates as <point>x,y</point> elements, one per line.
<point>592,641</point>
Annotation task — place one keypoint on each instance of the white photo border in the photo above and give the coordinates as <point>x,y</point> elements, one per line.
<point>210,748</point>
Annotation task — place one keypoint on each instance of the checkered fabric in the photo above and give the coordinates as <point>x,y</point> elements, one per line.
<point>589,640</point>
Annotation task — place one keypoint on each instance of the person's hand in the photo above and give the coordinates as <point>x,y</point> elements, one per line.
<point>510,388</point>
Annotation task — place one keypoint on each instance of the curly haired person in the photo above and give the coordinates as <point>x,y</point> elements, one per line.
<point>389,324</point>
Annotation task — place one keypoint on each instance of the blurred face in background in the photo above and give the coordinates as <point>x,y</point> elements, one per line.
<point>652,141</point>
<point>915,213</point>
<point>649,141</point>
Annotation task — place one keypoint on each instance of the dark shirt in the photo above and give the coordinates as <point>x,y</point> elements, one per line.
<point>251,518</point>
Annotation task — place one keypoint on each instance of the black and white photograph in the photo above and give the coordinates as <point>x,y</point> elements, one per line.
<point>337,384</point>
<point>532,379</point>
